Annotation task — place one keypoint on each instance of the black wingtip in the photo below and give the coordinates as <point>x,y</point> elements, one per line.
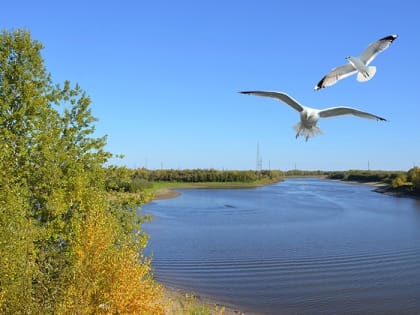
<point>245,92</point>
<point>320,84</point>
<point>390,38</point>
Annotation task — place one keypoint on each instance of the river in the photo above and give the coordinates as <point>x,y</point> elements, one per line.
<point>302,246</point>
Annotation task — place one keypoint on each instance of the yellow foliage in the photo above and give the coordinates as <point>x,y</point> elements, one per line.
<point>414,175</point>
<point>2,298</point>
<point>109,277</point>
<point>399,181</point>
<point>65,248</point>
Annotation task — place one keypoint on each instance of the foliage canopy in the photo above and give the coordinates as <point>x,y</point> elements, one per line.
<point>65,247</point>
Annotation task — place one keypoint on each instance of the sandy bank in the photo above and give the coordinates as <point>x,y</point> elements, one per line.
<point>165,193</point>
<point>179,302</point>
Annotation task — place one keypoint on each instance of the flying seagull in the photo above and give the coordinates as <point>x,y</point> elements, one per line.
<point>309,116</point>
<point>357,64</point>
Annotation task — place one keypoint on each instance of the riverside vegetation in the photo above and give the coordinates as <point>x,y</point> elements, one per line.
<point>66,247</point>
<point>123,179</point>
<point>403,183</point>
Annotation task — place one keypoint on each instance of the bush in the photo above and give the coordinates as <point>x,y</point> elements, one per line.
<point>139,184</point>
<point>399,181</point>
<point>413,176</point>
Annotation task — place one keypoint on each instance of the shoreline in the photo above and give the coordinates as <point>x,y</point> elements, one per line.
<point>179,301</point>
<point>379,187</point>
<point>382,188</point>
<point>165,193</point>
<point>170,192</point>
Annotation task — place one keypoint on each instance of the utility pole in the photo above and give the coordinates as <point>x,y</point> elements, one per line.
<point>259,160</point>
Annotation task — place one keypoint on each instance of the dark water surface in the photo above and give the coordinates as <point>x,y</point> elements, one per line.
<point>303,246</point>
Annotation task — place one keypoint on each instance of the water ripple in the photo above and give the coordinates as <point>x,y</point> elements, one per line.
<point>305,247</point>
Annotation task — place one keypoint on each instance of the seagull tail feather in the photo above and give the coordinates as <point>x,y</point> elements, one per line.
<point>305,132</point>
<point>366,76</point>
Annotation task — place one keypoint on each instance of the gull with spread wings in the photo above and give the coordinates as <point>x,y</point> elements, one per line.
<point>309,116</point>
<point>357,64</point>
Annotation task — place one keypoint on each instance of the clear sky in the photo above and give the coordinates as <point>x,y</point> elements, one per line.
<point>164,78</point>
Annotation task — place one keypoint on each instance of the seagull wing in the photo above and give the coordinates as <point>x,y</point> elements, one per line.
<point>375,48</point>
<point>341,110</point>
<point>334,75</point>
<point>280,96</point>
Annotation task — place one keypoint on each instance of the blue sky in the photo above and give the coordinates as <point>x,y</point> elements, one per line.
<point>164,75</point>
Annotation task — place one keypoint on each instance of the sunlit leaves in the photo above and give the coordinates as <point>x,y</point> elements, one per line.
<point>65,246</point>
<point>413,176</point>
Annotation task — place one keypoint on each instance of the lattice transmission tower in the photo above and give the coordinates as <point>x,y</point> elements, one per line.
<point>259,159</point>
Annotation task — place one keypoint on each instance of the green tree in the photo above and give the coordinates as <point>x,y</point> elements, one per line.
<point>400,180</point>
<point>413,175</point>
<point>65,247</point>
<point>22,120</point>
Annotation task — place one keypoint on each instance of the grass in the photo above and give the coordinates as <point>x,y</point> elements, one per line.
<point>180,185</point>
<point>181,303</point>
<point>163,190</point>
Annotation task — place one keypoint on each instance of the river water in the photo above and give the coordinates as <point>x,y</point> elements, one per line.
<point>302,246</point>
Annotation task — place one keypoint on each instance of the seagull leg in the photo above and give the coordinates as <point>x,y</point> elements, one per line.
<point>298,134</point>
<point>307,137</point>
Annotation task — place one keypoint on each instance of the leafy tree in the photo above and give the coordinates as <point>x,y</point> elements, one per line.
<point>400,180</point>
<point>413,175</point>
<point>65,246</point>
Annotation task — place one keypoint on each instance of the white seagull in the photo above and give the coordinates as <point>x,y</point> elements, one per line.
<point>309,116</point>
<point>357,64</point>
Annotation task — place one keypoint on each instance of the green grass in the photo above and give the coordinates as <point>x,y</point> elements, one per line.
<point>179,185</point>
<point>162,186</point>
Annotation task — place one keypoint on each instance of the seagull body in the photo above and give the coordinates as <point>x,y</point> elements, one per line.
<point>359,65</point>
<point>309,116</point>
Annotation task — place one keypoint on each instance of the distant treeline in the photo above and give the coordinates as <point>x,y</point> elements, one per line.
<point>405,182</point>
<point>132,180</point>
<point>206,175</point>
<point>365,176</point>
<point>303,173</point>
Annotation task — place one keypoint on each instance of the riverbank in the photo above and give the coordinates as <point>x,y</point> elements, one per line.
<point>167,190</point>
<point>384,188</point>
<point>165,193</point>
<point>379,187</point>
<point>178,302</point>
